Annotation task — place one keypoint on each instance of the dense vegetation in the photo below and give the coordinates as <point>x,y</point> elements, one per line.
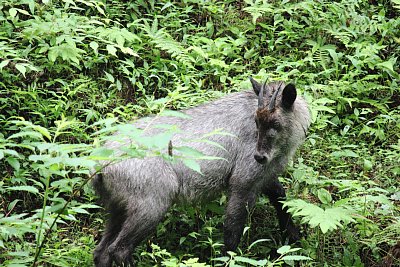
<point>71,70</point>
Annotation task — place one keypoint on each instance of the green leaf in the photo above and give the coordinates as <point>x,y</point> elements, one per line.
<point>211,143</point>
<point>13,12</point>
<point>22,11</point>
<point>387,65</point>
<point>4,63</point>
<point>94,45</point>
<point>43,131</point>
<point>128,50</point>
<point>250,261</point>
<point>159,141</point>
<point>79,210</point>
<point>120,40</point>
<point>258,241</point>
<point>344,153</point>
<point>324,196</point>
<point>77,162</point>
<point>12,152</point>
<point>223,259</point>
<point>111,50</point>
<point>171,127</point>
<point>31,4</point>
<point>110,78</point>
<point>295,258</point>
<point>219,63</point>
<point>299,174</point>
<point>14,163</point>
<point>328,219</point>
<point>52,55</point>
<point>101,153</point>
<point>192,164</point>
<point>396,4</point>
<point>11,206</point>
<point>67,51</point>
<point>21,68</point>
<point>368,165</point>
<point>26,188</point>
<point>89,206</point>
<point>283,250</point>
<point>189,151</point>
<point>323,108</point>
<point>31,134</point>
<point>173,113</point>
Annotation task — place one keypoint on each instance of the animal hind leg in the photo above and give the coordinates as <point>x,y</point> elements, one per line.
<point>276,193</point>
<point>142,217</point>
<point>114,224</point>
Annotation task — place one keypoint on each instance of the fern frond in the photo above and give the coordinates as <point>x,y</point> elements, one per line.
<point>163,40</point>
<point>122,37</point>
<point>258,8</point>
<point>327,219</point>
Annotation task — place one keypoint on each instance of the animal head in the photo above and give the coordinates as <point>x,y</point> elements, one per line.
<point>281,118</point>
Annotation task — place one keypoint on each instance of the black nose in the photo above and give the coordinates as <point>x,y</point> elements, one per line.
<point>260,158</point>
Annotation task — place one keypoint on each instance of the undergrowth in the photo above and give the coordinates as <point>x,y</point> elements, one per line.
<point>71,69</point>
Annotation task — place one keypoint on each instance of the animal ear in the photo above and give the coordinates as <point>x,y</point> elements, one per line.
<point>256,85</point>
<point>289,95</point>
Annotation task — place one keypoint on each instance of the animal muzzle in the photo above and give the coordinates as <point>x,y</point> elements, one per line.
<point>261,158</point>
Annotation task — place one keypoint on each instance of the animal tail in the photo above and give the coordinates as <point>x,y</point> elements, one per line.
<point>100,188</point>
<point>97,182</point>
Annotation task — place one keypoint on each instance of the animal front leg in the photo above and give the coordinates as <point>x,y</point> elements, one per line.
<point>276,193</point>
<point>235,218</point>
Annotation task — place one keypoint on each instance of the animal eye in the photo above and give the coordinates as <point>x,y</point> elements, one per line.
<point>276,125</point>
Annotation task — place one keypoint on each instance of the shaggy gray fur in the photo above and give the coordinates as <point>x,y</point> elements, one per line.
<point>138,192</point>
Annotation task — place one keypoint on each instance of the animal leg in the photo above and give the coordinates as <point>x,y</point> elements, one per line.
<point>236,213</point>
<point>142,217</point>
<point>114,224</point>
<point>276,193</point>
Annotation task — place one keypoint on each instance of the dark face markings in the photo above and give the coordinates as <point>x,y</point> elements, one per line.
<point>268,128</point>
<point>268,122</point>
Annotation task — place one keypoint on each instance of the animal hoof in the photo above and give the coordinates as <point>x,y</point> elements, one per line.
<point>101,257</point>
<point>121,256</point>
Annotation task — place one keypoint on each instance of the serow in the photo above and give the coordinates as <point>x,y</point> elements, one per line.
<point>266,126</point>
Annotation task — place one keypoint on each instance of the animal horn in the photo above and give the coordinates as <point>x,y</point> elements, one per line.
<point>261,95</point>
<point>271,105</point>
